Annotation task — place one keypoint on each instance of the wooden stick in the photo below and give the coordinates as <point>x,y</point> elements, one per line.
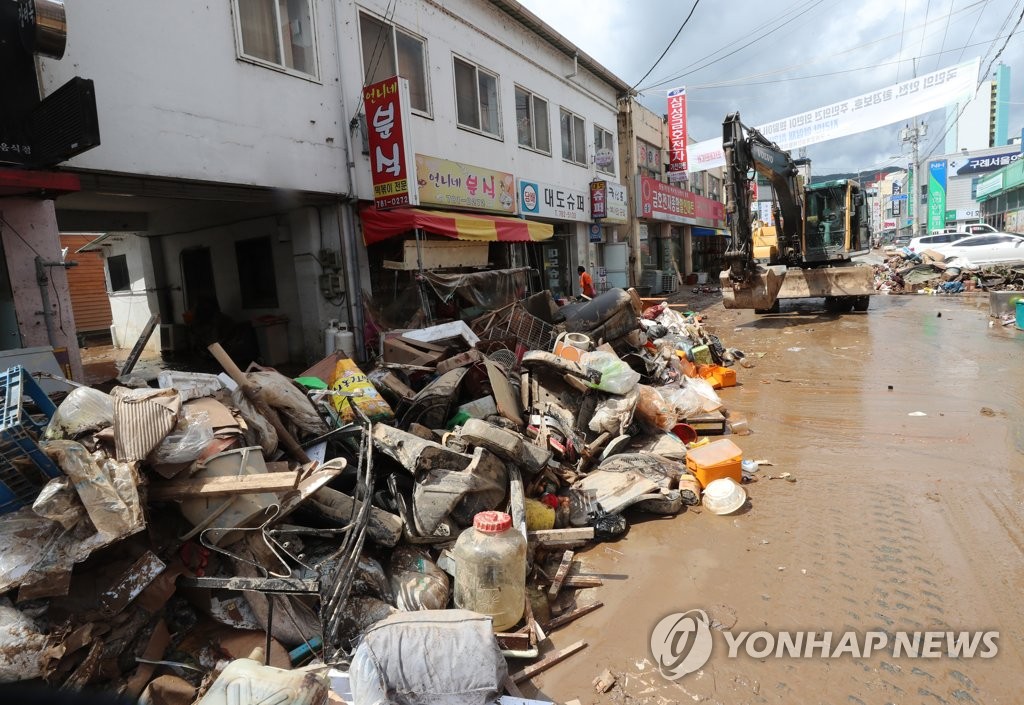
<point>221,486</point>
<point>511,688</point>
<point>287,440</point>
<point>571,616</point>
<point>546,536</point>
<point>547,662</point>
<point>563,571</point>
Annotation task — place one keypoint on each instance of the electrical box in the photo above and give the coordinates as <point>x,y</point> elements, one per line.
<point>330,259</point>
<point>330,285</point>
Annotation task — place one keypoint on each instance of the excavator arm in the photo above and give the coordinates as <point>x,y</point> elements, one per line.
<point>747,152</point>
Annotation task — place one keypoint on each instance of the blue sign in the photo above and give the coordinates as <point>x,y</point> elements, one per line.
<point>898,197</point>
<point>595,233</point>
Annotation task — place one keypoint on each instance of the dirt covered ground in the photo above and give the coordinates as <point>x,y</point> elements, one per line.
<point>904,431</point>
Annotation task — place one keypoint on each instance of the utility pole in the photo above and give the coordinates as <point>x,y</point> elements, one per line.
<point>913,135</point>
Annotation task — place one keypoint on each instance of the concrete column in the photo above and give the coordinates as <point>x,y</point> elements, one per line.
<point>312,229</point>
<point>31,231</point>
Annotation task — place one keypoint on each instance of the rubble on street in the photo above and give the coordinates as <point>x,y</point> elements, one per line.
<point>311,533</point>
<point>931,272</point>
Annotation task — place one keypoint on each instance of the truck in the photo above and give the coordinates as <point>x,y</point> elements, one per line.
<point>808,249</point>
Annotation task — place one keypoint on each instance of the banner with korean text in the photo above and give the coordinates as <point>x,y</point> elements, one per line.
<point>677,130</point>
<point>388,122</point>
<point>861,113</point>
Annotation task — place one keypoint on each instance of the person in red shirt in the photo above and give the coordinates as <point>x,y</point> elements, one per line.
<point>586,283</point>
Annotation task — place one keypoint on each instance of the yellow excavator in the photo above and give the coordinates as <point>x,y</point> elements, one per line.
<point>808,251</point>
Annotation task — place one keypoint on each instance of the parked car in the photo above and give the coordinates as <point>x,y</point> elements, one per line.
<point>987,248</point>
<point>930,242</point>
<point>972,229</point>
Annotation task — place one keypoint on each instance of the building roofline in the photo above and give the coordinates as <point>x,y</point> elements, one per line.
<point>518,12</point>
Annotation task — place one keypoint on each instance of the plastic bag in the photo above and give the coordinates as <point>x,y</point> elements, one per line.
<point>686,401</point>
<point>710,399</point>
<point>186,442</point>
<point>616,376</point>
<point>279,392</point>
<point>22,647</point>
<point>260,431</point>
<point>59,502</point>
<point>417,583</point>
<point>615,413</point>
<point>84,409</point>
<point>653,410</point>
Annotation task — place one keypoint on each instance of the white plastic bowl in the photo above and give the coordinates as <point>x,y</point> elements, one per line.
<point>724,496</point>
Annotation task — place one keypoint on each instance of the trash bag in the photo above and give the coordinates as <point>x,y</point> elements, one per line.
<point>84,409</point>
<point>615,413</point>
<point>432,657</point>
<point>59,502</point>
<point>616,376</point>
<point>607,527</point>
<point>417,583</point>
<point>22,647</point>
<point>686,400</point>
<point>186,442</point>
<point>653,410</point>
<point>710,399</point>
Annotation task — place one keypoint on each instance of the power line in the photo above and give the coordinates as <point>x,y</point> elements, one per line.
<point>971,35</point>
<point>903,30</point>
<point>813,4</point>
<point>945,33</point>
<point>927,11</point>
<point>678,32</point>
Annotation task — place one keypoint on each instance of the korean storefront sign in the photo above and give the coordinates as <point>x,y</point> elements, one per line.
<point>550,201</point>
<point>456,185</point>
<point>677,129</point>
<point>937,195</point>
<point>388,118</point>
<point>608,202</point>
<point>660,201</point>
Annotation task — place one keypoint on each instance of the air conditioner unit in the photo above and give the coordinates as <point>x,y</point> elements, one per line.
<point>669,283</point>
<point>172,337</point>
<point>651,278</point>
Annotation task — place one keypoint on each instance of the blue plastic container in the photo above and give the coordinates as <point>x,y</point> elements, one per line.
<point>1020,315</point>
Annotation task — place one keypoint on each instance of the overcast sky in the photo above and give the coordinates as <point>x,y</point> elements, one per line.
<point>865,45</point>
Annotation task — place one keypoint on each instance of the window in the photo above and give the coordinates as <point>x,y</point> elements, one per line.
<point>256,280</point>
<point>279,33</point>
<point>117,271</point>
<point>388,50</point>
<point>574,139</point>
<point>532,121</point>
<point>604,150</point>
<point>476,98</point>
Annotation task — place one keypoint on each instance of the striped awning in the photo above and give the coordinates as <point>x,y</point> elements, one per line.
<point>381,225</point>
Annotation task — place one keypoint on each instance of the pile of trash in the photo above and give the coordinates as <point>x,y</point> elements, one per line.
<point>931,272</point>
<point>157,542</point>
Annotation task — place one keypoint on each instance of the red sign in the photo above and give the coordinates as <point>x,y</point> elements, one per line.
<point>661,201</point>
<point>387,120</point>
<point>598,200</point>
<point>677,129</point>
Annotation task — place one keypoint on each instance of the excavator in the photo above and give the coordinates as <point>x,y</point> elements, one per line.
<point>808,251</point>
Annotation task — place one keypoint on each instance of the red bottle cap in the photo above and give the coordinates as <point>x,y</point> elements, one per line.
<point>492,522</point>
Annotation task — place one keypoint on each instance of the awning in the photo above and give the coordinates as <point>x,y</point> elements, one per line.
<point>382,225</point>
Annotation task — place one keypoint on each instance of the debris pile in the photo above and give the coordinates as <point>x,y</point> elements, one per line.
<point>162,538</point>
<point>931,272</point>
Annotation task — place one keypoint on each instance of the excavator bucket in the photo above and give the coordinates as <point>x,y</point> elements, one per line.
<point>759,291</point>
<point>839,281</point>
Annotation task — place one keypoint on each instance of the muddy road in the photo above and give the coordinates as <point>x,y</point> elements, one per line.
<point>904,431</point>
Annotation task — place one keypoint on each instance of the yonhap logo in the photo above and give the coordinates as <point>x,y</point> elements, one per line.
<point>681,643</point>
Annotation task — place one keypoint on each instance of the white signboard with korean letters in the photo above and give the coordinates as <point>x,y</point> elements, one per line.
<point>551,201</point>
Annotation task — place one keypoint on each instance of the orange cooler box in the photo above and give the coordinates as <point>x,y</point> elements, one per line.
<point>722,458</point>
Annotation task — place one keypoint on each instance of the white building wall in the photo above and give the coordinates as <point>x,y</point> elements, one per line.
<point>481,34</point>
<point>175,101</point>
<point>130,310</point>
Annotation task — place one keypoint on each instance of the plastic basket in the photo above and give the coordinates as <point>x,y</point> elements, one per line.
<point>24,467</point>
<point>531,331</point>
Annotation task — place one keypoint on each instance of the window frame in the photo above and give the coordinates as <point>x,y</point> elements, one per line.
<point>477,68</point>
<point>572,137</point>
<point>240,54</point>
<point>395,28</point>
<point>127,274</point>
<point>533,119</point>
<point>611,136</point>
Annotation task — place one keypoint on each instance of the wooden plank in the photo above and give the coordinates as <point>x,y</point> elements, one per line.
<point>563,571</point>
<point>221,486</point>
<point>548,536</point>
<point>136,352</point>
<point>571,616</point>
<point>512,689</point>
<point>548,661</point>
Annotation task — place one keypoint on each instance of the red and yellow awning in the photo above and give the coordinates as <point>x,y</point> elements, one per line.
<point>382,225</point>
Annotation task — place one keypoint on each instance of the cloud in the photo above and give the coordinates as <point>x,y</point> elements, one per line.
<point>884,40</point>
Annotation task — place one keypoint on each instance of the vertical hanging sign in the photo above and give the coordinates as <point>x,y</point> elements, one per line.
<point>388,122</point>
<point>937,195</point>
<point>677,130</point>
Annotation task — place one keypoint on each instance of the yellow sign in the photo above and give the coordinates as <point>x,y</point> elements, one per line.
<point>456,185</point>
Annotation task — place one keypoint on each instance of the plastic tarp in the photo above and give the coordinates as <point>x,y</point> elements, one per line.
<point>489,290</point>
<point>381,225</point>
